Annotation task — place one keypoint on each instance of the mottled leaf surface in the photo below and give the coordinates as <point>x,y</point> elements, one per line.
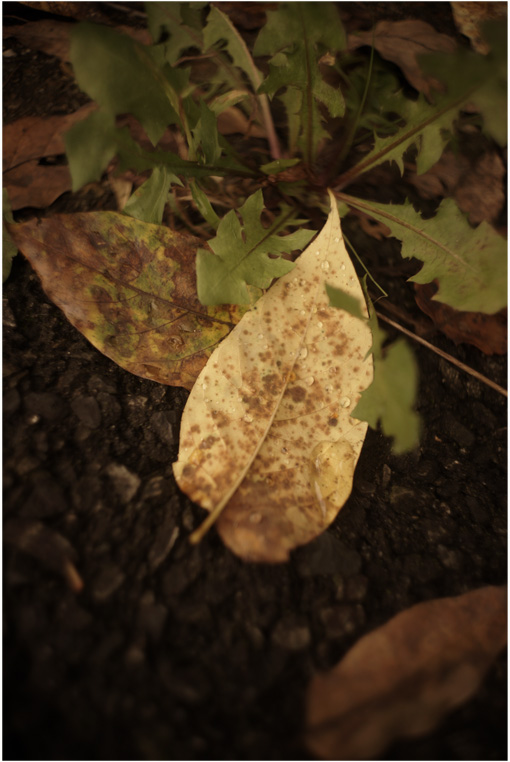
<point>400,680</point>
<point>130,288</point>
<point>267,440</point>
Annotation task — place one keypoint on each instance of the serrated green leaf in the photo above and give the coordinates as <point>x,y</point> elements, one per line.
<point>309,29</point>
<point>204,205</point>
<point>391,397</point>
<point>205,136</point>
<point>90,146</point>
<point>469,264</point>
<point>122,76</point>
<point>242,255</point>
<point>219,27</point>
<point>468,77</point>
<point>181,21</point>
<point>284,27</point>
<point>147,203</point>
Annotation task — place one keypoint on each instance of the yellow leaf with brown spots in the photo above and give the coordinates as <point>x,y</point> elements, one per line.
<point>130,288</point>
<point>267,443</point>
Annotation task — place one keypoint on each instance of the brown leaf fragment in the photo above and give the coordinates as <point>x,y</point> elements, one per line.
<point>470,16</point>
<point>130,288</point>
<point>486,332</point>
<point>35,137</point>
<point>31,184</point>
<point>48,546</point>
<point>477,186</point>
<point>401,42</point>
<point>50,37</point>
<point>400,680</point>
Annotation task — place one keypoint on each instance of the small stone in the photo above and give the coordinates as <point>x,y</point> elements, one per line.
<point>107,582</point>
<point>356,588</point>
<point>449,557</point>
<point>291,635</point>
<point>341,620</point>
<point>45,405</point>
<point>124,481</point>
<point>386,476</point>
<point>164,542</point>
<point>87,410</point>
<point>11,401</point>
<point>161,424</point>
<point>458,432</point>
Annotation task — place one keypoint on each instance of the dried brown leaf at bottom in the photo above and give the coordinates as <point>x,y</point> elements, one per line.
<point>489,333</point>
<point>401,42</point>
<point>32,184</point>
<point>400,680</point>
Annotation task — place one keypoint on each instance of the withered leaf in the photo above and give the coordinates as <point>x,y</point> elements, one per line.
<point>130,288</point>
<point>403,678</point>
<point>486,332</point>
<point>35,137</point>
<point>31,184</point>
<point>267,440</point>
<point>401,42</point>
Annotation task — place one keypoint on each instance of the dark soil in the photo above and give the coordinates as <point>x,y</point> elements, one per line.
<point>175,652</point>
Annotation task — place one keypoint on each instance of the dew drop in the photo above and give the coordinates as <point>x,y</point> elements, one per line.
<point>325,265</point>
<point>309,380</point>
<point>319,324</point>
<point>284,449</point>
<point>345,401</point>
<point>248,418</point>
<point>314,310</point>
<point>337,239</point>
<point>342,267</point>
<point>303,353</point>
<point>204,386</point>
<point>255,518</point>
<point>260,336</point>
<point>317,253</point>
<point>302,312</point>
<point>302,282</point>
<point>328,388</point>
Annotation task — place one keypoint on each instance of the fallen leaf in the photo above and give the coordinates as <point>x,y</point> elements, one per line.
<point>469,18</point>
<point>130,288</point>
<point>35,137</point>
<point>477,187</point>
<point>400,680</point>
<point>486,332</point>
<point>267,442</point>
<point>232,121</point>
<point>401,42</point>
<point>31,184</point>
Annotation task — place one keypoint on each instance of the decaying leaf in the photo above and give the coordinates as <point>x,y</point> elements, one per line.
<point>130,288</point>
<point>469,18</point>
<point>476,186</point>
<point>402,679</point>
<point>486,332</point>
<point>267,441</point>
<point>401,42</point>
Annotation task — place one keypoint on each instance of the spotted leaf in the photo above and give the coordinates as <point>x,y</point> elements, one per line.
<point>268,444</point>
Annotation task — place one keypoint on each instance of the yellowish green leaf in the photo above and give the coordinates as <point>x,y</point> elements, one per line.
<point>130,288</point>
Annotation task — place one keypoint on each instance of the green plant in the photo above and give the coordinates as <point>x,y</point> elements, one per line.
<point>199,68</point>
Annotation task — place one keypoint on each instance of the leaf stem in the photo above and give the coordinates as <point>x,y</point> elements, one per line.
<point>381,289</point>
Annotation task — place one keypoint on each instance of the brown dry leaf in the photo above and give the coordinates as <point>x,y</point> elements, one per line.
<point>130,288</point>
<point>486,332</point>
<point>31,184</point>
<point>478,188</point>
<point>35,137</point>
<point>470,16</point>
<point>267,439</point>
<point>400,680</point>
<point>401,42</point>
<point>232,120</point>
